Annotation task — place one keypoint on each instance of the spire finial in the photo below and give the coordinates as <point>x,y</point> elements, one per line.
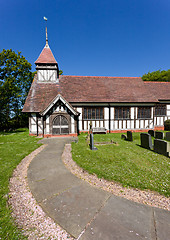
<point>46,33</point>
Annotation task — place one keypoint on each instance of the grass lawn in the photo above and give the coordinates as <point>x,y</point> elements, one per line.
<point>126,162</point>
<point>14,146</point>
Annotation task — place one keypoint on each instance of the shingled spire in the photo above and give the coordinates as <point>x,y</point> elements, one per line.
<point>46,65</point>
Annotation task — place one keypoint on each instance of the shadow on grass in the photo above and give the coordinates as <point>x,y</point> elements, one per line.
<point>19,130</point>
<point>145,148</point>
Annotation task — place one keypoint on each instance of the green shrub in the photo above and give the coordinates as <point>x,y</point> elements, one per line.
<point>167,125</point>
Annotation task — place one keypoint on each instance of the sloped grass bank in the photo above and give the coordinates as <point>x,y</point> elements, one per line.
<point>124,162</point>
<point>14,146</point>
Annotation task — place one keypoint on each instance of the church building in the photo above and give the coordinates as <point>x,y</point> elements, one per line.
<point>67,105</point>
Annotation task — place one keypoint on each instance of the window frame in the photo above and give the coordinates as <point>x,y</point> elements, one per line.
<point>159,108</point>
<point>143,114</point>
<point>121,111</point>
<point>91,113</point>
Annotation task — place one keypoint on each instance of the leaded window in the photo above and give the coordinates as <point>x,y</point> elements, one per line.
<point>160,110</point>
<point>144,112</point>
<point>122,112</point>
<point>93,113</point>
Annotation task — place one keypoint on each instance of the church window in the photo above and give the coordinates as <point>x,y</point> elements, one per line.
<point>160,110</point>
<point>144,112</point>
<point>93,113</point>
<point>122,112</point>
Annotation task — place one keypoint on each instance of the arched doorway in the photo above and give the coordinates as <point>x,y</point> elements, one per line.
<point>60,125</point>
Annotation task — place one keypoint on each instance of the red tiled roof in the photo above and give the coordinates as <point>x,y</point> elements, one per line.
<point>104,89</point>
<point>161,90</point>
<point>89,89</point>
<point>46,56</point>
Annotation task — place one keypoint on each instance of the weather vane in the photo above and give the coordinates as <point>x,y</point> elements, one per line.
<point>46,32</point>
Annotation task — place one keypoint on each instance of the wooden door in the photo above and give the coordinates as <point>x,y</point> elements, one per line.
<point>60,125</point>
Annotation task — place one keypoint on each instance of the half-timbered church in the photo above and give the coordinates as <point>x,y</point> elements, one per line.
<point>59,105</point>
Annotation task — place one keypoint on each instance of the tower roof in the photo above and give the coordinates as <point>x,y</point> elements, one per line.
<point>46,56</point>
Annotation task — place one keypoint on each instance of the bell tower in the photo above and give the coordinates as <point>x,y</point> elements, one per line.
<point>46,65</point>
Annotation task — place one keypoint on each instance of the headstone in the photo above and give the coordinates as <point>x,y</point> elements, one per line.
<point>146,140</point>
<point>151,132</point>
<point>129,136</point>
<point>159,135</point>
<point>162,147</point>
<point>123,136</point>
<point>167,136</point>
<point>92,147</point>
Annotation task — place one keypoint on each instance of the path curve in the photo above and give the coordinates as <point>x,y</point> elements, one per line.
<point>86,212</point>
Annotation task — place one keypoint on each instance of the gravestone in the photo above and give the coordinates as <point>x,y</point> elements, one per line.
<point>129,136</point>
<point>151,132</point>
<point>92,147</point>
<point>162,147</point>
<point>167,137</point>
<point>123,136</point>
<point>146,140</point>
<point>159,135</point>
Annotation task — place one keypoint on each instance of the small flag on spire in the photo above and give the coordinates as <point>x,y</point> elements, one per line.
<point>45,18</point>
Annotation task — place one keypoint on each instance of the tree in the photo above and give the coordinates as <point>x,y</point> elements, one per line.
<point>163,76</point>
<point>15,81</point>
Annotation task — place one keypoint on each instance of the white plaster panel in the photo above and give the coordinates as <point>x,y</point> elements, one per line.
<point>168,112</point>
<point>112,113</point>
<point>33,120</point>
<point>72,124</point>
<point>141,123</point>
<point>112,125</point>
<point>80,111</point>
<point>80,125</point>
<point>124,124</point>
<point>137,123</point>
<point>107,125</point>
<point>97,123</point>
<point>146,124</point>
<point>168,107</point>
<point>152,112</point>
<point>39,130</point>
<point>128,124</point>
<point>132,112</point>
<point>33,128</point>
<point>106,113</point>
<point>101,124</point>
<point>47,119</point>
<point>47,129</point>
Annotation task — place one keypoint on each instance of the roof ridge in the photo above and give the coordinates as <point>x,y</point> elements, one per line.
<point>96,76</point>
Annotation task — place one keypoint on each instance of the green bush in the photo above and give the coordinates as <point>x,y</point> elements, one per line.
<point>167,125</point>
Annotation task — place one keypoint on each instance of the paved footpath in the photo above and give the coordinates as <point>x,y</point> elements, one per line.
<point>88,213</point>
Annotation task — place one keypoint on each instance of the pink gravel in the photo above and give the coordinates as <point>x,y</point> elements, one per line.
<point>27,213</point>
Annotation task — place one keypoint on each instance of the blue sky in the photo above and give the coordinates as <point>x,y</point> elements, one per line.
<point>91,37</point>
